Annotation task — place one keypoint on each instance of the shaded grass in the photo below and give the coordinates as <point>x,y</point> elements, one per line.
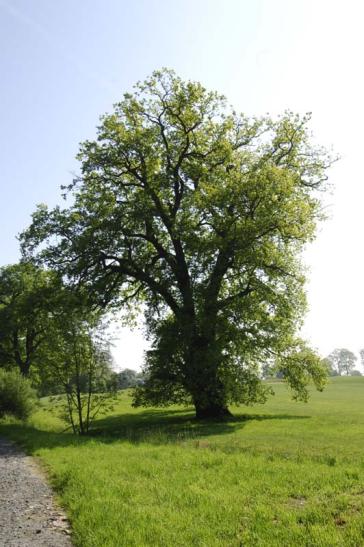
<point>282,474</point>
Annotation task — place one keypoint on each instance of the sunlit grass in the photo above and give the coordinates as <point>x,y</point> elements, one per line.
<point>281,474</point>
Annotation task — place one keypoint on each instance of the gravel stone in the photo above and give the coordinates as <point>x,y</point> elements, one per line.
<point>29,516</point>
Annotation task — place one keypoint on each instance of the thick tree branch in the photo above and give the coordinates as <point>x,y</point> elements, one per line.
<point>240,294</point>
<point>135,272</point>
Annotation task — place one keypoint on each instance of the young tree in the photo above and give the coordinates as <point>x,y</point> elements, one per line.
<point>200,214</point>
<point>83,365</point>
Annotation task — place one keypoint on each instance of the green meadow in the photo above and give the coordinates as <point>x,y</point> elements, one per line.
<point>281,474</point>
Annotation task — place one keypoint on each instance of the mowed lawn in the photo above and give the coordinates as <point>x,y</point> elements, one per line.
<point>285,474</point>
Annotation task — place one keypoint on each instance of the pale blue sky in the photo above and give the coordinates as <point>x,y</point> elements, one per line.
<point>65,63</point>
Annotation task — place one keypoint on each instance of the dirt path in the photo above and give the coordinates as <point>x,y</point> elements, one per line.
<point>28,514</point>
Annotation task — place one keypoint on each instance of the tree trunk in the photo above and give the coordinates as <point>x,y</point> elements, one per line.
<point>23,364</point>
<point>210,402</point>
<point>24,369</point>
<point>212,411</point>
<point>207,389</point>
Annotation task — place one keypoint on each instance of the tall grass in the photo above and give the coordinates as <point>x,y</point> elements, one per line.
<point>282,474</point>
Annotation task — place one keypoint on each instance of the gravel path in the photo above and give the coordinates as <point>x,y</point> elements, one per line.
<point>28,514</point>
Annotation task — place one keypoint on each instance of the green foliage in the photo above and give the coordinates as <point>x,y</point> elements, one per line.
<point>200,215</point>
<point>127,378</point>
<point>27,295</point>
<point>17,398</point>
<point>298,366</point>
<point>331,371</point>
<point>82,370</point>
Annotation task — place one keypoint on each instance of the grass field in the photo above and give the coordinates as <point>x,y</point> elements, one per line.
<point>282,474</point>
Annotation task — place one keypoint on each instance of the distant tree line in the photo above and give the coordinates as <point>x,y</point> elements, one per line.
<point>128,378</point>
<point>342,362</point>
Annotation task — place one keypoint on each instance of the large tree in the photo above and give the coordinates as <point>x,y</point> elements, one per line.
<point>200,214</point>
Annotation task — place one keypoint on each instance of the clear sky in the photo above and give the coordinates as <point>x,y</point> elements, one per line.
<point>65,63</point>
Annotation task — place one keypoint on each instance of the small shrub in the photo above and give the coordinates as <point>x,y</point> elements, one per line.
<point>17,397</point>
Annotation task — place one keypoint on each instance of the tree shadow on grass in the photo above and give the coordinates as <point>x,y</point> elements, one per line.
<point>173,426</point>
<point>262,417</point>
<point>152,426</point>
<point>31,439</point>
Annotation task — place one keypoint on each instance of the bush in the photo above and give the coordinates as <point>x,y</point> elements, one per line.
<point>17,397</point>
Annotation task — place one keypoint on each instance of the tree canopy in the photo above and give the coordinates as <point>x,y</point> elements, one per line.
<point>27,295</point>
<point>199,214</point>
